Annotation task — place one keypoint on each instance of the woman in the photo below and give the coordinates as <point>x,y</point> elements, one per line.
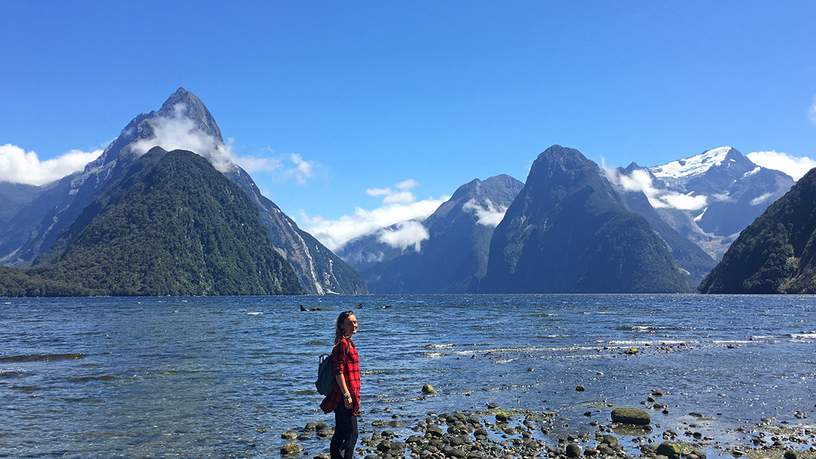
<point>344,398</point>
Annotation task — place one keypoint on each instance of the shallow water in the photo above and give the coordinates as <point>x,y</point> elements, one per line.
<point>101,377</point>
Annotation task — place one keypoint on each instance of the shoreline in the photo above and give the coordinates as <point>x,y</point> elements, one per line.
<point>500,432</point>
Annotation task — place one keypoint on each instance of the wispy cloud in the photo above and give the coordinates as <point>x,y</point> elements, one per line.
<point>406,234</point>
<point>396,207</point>
<point>487,214</point>
<point>640,180</point>
<point>301,169</point>
<point>20,166</point>
<point>180,132</point>
<point>795,166</point>
<point>399,195</point>
<point>760,199</point>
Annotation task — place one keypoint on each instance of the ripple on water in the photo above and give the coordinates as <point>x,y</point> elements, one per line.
<point>39,358</point>
<point>89,378</point>
<point>13,374</point>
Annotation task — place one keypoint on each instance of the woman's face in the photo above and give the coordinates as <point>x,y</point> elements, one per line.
<point>349,326</point>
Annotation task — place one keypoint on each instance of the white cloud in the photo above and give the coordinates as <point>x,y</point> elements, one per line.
<point>20,166</point>
<point>301,169</point>
<point>396,207</point>
<point>640,180</point>
<point>488,214</point>
<point>253,164</point>
<point>682,201</point>
<point>401,197</point>
<point>334,233</point>
<point>406,234</point>
<point>407,184</point>
<point>722,197</point>
<point>378,191</point>
<point>760,199</point>
<point>178,132</point>
<point>795,166</point>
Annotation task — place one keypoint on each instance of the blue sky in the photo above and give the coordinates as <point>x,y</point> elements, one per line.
<point>372,94</point>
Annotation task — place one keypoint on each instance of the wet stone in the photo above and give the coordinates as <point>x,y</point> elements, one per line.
<point>290,449</point>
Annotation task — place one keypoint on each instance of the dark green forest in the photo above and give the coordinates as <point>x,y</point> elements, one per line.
<point>775,254</point>
<point>173,225</point>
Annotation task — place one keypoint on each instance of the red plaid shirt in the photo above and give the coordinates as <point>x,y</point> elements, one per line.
<point>346,362</point>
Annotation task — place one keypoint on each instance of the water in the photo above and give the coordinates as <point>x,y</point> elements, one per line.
<point>103,377</point>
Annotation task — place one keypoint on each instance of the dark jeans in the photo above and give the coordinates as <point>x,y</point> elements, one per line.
<point>345,433</point>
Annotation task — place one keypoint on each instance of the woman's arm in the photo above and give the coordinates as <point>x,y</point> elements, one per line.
<point>339,367</point>
<point>341,381</point>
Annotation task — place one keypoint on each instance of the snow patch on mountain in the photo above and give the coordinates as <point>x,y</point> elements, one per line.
<point>694,165</point>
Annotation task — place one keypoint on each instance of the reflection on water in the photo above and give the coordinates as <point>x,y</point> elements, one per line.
<point>225,376</point>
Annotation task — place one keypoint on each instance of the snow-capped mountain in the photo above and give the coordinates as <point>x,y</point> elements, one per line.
<point>709,197</point>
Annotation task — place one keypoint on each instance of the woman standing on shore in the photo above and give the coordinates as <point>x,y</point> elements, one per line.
<point>344,398</point>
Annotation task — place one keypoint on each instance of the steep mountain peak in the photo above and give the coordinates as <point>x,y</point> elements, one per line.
<point>562,155</point>
<point>699,164</point>
<point>501,179</point>
<point>488,188</point>
<point>561,164</point>
<point>185,104</point>
<point>633,166</point>
<point>182,122</point>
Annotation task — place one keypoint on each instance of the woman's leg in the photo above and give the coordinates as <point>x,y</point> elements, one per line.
<point>345,434</point>
<point>351,439</point>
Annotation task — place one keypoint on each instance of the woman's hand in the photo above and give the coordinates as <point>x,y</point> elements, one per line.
<point>347,402</point>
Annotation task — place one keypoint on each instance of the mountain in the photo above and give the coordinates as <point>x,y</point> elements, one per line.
<point>182,122</point>
<point>366,251</point>
<point>170,225</point>
<point>569,231</point>
<point>452,258</point>
<point>726,192</point>
<point>777,252</point>
<point>688,255</point>
<point>14,197</point>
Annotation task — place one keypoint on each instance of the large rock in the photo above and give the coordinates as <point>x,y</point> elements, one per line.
<point>632,416</point>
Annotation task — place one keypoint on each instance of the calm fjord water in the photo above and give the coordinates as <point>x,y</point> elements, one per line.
<point>101,377</point>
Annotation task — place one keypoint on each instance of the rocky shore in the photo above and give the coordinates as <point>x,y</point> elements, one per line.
<point>609,432</point>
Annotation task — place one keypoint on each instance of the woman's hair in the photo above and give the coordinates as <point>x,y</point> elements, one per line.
<point>338,330</point>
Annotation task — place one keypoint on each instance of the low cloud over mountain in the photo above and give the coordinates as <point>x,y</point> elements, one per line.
<point>399,205</point>
<point>20,166</point>
<point>795,166</point>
